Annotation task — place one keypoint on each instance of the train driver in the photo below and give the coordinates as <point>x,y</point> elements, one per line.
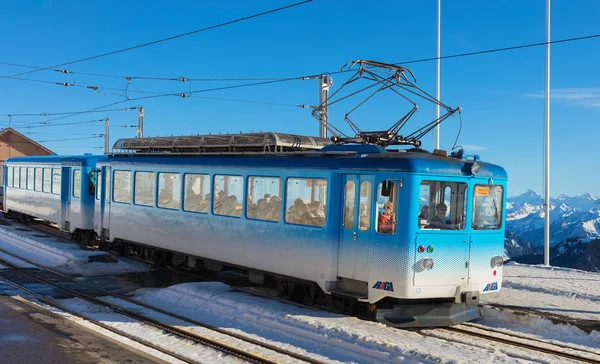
<point>440,216</point>
<point>386,223</point>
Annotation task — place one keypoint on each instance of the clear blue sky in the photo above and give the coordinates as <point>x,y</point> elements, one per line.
<point>501,93</point>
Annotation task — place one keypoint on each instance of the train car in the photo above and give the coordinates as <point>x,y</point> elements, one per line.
<point>58,189</point>
<point>412,237</point>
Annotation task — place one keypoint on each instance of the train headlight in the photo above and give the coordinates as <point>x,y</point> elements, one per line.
<point>496,261</point>
<point>475,168</point>
<point>426,263</point>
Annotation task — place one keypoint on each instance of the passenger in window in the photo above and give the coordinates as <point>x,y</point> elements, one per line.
<point>423,216</point>
<point>267,197</point>
<point>440,218</point>
<point>273,209</point>
<point>424,212</point>
<point>316,215</point>
<point>386,223</point>
<point>297,213</point>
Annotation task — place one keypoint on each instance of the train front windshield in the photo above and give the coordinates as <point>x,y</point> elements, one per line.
<point>487,207</point>
<point>443,205</point>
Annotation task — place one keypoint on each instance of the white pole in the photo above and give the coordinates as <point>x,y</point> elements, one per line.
<point>437,93</point>
<point>547,145</point>
<point>325,83</point>
<point>106,136</point>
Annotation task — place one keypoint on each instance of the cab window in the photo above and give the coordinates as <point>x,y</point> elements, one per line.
<point>387,206</point>
<point>487,207</point>
<point>442,205</point>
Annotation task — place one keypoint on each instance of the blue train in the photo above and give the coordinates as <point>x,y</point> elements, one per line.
<point>410,237</point>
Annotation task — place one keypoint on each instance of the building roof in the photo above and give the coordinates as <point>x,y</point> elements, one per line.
<point>5,131</point>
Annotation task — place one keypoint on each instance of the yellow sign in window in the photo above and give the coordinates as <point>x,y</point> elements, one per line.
<point>482,191</point>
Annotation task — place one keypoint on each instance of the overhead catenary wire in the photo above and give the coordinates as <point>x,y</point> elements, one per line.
<point>189,93</point>
<point>166,39</point>
<point>47,124</point>
<point>72,112</point>
<point>67,139</point>
<point>180,79</point>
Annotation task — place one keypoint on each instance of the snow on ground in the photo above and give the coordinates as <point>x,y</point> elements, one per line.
<point>61,255</point>
<point>331,337</point>
<point>563,291</point>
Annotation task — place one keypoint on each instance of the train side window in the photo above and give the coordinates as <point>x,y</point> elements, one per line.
<point>228,195</point>
<point>169,190</point>
<point>77,183</point>
<point>144,188</point>
<point>349,192</point>
<point>364,219</point>
<point>56,178</point>
<point>197,192</point>
<point>98,184</point>
<point>16,177</point>
<point>23,181</point>
<point>38,179</point>
<point>122,186</point>
<point>9,176</point>
<point>264,198</point>
<point>442,205</point>
<point>30,178</point>
<point>47,183</point>
<point>487,207</point>
<point>387,204</point>
<point>306,201</point>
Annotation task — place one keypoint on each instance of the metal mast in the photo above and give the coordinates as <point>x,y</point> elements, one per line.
<point>106,136</point>
<point>325,83</point>
<point>140,129</point>
<point>437,93</point>
<point>547,145</point>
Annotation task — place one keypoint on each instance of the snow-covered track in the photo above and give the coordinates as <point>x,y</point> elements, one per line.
<point>277,354</point>
<point>585,325</point>
<point>522,341</point>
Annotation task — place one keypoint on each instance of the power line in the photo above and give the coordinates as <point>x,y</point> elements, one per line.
<point>189,93</point>
<point>47,124</point>
<point>71,112</point>
<point>220,79</point>
<point>166,39</point>
<point>63,140</point>
<point>179,79</point>
<point>503,49</point>
<point>183,95</point>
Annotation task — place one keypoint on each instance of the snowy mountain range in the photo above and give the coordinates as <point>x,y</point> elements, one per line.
<point>569,217</point>
<point>574,229</point>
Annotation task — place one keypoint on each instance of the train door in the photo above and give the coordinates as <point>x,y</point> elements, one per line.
<point>353,255</point>
<point>65,198</point>
<point>105,204</point>
<point>487,235</point>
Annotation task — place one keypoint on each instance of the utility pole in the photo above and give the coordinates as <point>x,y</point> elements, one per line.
<point>325,82</point>
<point>437,93</point>
<point>140,129</point>
<point>547,145</point>
<point>106,136</point>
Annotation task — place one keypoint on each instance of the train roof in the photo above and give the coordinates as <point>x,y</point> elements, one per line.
<point>361,159</point>
<point>77,160</point>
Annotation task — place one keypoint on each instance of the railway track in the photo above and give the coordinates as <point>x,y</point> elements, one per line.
<point>50,277</point>
<point>513,339</point>
<point>560,350</point>
<point>585,325</point>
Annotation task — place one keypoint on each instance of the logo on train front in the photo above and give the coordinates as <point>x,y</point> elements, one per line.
<point>491,287</point>
<point>384,286</point>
